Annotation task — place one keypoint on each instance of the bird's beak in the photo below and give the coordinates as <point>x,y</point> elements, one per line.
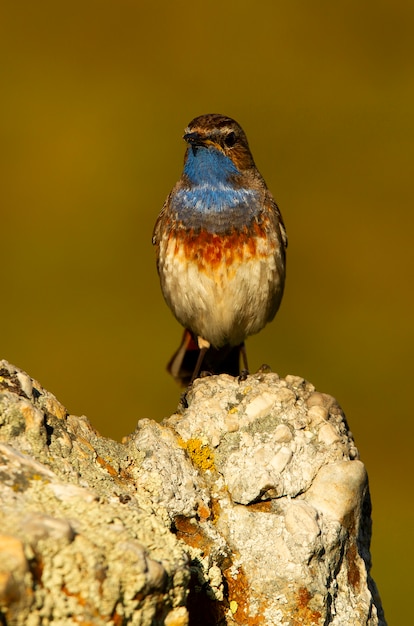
<point>193,139</point>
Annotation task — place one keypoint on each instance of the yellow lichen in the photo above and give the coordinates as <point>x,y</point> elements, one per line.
<point>233,606</point>
<point>200,454</point>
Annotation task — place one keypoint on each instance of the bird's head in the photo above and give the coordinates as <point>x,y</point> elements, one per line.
<point>217,132</point>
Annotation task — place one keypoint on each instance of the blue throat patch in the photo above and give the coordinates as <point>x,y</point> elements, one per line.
<point>212,201</point>
<point>206,164</point>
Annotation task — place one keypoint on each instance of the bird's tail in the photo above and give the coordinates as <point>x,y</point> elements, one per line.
<point>224,360</point>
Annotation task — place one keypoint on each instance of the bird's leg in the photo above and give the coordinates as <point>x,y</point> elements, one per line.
<point>203,346</point>
<point>245,371</point>
<point>176,363</point>
<point>244,356</point>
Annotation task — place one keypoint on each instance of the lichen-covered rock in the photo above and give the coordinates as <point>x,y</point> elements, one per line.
<point>80,541</point>
<point>289,496</point>
<point>250,506</point>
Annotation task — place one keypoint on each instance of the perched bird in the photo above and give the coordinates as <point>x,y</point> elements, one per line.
<point>220,244</point>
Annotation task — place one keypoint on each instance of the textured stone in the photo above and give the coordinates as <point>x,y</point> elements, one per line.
<point>250,506</point>
<point>80,540</point>
<point>289,496</point>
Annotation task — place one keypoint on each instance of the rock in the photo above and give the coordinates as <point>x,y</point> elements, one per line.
<point>250,506</point>
<point>80,540</point>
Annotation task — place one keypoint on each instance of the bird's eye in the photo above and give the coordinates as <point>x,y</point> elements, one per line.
<point>230,139</point>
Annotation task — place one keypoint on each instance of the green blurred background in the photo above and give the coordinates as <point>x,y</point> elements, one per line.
<point>94,99</point>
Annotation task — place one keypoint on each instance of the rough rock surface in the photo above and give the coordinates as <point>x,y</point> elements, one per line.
<point>250,506</point>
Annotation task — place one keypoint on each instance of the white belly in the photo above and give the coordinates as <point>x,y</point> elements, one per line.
<point>222,293</point>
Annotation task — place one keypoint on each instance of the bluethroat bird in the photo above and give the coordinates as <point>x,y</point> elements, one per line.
<point>220,244</point>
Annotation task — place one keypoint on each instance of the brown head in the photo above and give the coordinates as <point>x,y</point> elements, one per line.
<point>225,134</point>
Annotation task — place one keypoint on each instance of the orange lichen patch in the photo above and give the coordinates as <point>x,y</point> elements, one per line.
<point>238,592</point>
<point>111,470</point>
<point>354,575</point>
<point>304,597</point>
<point>186,525</point>
<point>189,530</point>
<point>238,595</point>
<point>209,250</point>
<point>262,507</point>
<point>203,511</point>
<point>200,453</point>
<point>304,613</point>
<point>215,509</point>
